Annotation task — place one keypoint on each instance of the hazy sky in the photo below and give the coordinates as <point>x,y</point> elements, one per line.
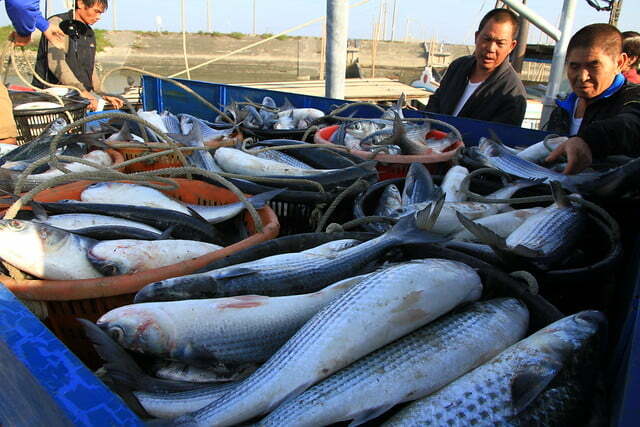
<point>451,21</point>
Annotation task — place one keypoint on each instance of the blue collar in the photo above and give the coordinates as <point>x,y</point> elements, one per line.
<point>568,103</point>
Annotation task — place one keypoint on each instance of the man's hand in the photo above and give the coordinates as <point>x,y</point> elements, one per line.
<point>116,102</point>
<point>55,36</point>
<point>578,155</point>
<point>19,40</point>
<point>92,99</point>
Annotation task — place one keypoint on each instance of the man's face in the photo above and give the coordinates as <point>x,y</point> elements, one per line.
<point>591,70</point>
<point>89,15</point>
<point>493,44</point>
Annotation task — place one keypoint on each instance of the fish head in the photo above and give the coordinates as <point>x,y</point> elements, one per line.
<point>285,120</point>
<point>139,329</point>
<point>20,239</point>
<point>107,267</point>
<point>268,102</point>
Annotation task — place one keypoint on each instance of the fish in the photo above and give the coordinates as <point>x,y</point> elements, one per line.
<point>544,238</point>
<point>178,371</point>
<point>452,182</point>
<point>267,114</point>
<point>292,118</point>
<point>124,134</point>
<point>73,221</point>
<point>279,156</point>
<point>390,202</point>
<point>409,144</point>
<point>209,134</point>
<point>440,145</point>
<point>410,368</point>
<point>536,153</point>
<point>507,390</point>
<point>236,161</point>
<point>385,306</point>
<point>253,118</point>
<point>198,158</point>
<point>395,109</point>
<point>219,213</point>
<point>184,226</point>
<point>7,148</point>
<point>171,122</point>
<point>295,273</point>
<point>155,119</point>
<point>37,105</point>
<point>130,256</point>
<point>233,330</point>
<point>45,252</point>
<point>418,186</point>
<point>503,224</point>
<point>111,232</point>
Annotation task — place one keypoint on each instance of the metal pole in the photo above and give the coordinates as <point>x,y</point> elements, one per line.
<point>337,23</point>
<point>254,18</point>
<point>521,48</point>
<point>114,15</point>
<point>209,26</point>
<point>537,20</point>
<point>393,20</point>
<point>616,6</point>
<point>559,56</point>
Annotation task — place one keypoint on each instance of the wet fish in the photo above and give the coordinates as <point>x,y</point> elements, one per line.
<point>288,274</point>
<point>122,193</point>
<point>268,116</point>
<point>198,158</point>
<point>543,238</point>
<point>184,226</point>
<point>297,118</point>
<point>72,222</point>
<point>507,389</point>
<point>536,153</point>
<point>46,252</point>
<point>155,119</point>
<point>409,368</point>
<point>7,148</point>
<point>239,162</point>
<point>503,224</point>
<point>118,232</point>
<point>234,330</point>
<point>418,186</point>
<point>380,309</point>
<point>390,203</point>
<point>171,122</point>
<point>178,371</point>
<point>279,156</point>
<point>452,182</point>
<point>114,257</point>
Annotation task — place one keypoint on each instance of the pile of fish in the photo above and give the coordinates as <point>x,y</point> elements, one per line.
<point>329,334</point>
<point>268,116</point>
<point>117,228</point>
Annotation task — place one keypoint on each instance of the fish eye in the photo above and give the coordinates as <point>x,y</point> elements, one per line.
<point>16,225</point>
<point>117,333</point>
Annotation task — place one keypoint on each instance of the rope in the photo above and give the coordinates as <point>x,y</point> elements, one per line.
<point>332,228</point>
<point>258,43</point>
<point>187,89</point>
<point>355,188</point>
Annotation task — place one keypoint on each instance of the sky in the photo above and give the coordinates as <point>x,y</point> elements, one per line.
<point>451,21</point>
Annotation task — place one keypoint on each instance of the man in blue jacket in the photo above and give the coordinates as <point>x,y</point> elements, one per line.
<point>25,16</point>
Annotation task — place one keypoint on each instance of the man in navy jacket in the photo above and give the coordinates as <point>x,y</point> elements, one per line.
<point>25,16</point>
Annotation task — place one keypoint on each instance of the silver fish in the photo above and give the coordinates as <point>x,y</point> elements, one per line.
<point>504,390</point>
<point>171,122</point>
<point>543,238</point>
<point>216,214</point>
<point>178,371</point>
<point>503,224</point>
<point>380,309</point>
<point>129,256</point>
<point>390,203</point>
<point>410,368</point>
<point>452,182</point>
<point>288,274</point>
<point>239,162</point>
<point>235,330</point>
<point>122,193</point>
<point>198,158</point>
<point>418,186</point>
<point>46,252</point>
<point>536,153</point>
<point>72,222</point>
<point>279,156</point>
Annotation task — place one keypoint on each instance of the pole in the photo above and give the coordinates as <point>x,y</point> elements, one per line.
<point>406,31</point>
<point>114,15</point>
<point>559,56</point>
<point>337,23</point>
<point>616,6</point>
<point>209,26</point>
<point>184,38</point>
<point>393,20</point>
<point>254,18</point>
<point>521,48</point>
<point>384,20</point>
<point>537,20</point>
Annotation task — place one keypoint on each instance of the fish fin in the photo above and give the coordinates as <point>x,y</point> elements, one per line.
<point>484,234</point>
<point>233,273</point>
<point>195,214</point>
<point>409,229</point>
<point>261,199</point>
<point>120,366</point>
<point>287,105</point>
<point>494,136</point>
<point>558,195</point>
<point>401,101</point>
<point>530,382</point>
<point>369,414</point>
<point>427,223</point>
<point>166,234</point>
<point>526,252</point>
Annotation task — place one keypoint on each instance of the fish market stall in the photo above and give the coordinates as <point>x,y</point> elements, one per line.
<point>435,301</point>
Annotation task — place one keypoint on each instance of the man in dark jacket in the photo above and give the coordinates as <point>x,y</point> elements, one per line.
<point>602,115</point>
<point>74,64</point>
<point>485,86</point>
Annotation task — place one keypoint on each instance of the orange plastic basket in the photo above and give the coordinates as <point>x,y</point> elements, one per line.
<point>169,160</point>
<point>396,166</point>
<point>67,300</point>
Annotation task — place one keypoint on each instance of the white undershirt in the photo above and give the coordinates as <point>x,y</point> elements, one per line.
<point>575,122</point>
<point>471,87</point>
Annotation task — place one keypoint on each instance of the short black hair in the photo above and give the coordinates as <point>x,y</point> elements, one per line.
<point>501,15</point>
<point>631,45</point>
<point>605,36</point>
<point>91,3</point>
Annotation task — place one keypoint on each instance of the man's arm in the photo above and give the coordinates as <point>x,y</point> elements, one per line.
<point>57,59</point>
<point>25,16</point>
<point>616,135</point>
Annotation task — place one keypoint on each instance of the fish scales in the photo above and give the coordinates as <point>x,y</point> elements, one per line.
<point>327,343</point>
<point>408,368</point>
<point>547,231</point>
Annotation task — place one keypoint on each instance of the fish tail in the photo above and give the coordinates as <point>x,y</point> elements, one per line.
<point>414,229</point>
<point>260,200</point>
<point>484,234</point>
<point>558,195</point>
